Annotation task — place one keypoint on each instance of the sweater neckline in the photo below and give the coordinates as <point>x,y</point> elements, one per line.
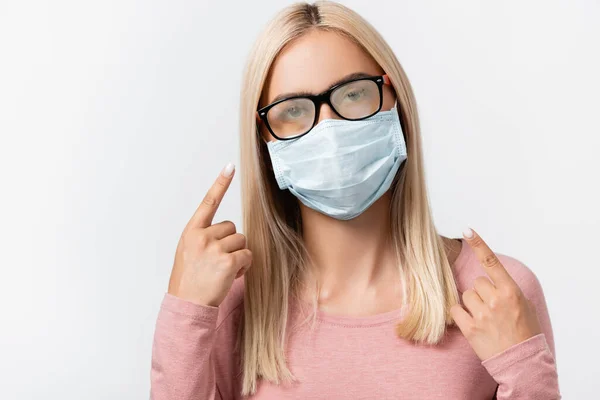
<point>380,318</point>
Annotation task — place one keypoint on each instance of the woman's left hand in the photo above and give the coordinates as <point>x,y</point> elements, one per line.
<point>499,316</point>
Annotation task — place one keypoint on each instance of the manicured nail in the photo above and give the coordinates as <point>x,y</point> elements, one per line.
<point>228,170</point>
<point>468,233</point>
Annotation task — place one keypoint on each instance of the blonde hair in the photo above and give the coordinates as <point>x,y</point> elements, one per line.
<point>271,217</point>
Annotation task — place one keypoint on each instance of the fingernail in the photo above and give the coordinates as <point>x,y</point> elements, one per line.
<point>228,170</point>
<point>468,233</point>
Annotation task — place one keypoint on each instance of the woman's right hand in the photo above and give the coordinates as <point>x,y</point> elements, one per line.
<point>209,257</point>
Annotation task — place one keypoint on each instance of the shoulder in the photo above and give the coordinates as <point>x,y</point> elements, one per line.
<point>468,268</point>
<point>233,304</point>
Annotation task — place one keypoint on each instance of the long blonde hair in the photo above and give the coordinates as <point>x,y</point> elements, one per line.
<point>271,217</point>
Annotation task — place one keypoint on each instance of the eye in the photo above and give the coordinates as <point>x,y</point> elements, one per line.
<point>294,112</point>
<point>355,94</point>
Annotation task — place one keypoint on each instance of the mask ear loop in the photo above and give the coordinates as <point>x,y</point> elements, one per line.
<point>387,81</point>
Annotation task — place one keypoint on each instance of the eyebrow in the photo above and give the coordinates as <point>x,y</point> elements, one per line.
<point>347,78</point>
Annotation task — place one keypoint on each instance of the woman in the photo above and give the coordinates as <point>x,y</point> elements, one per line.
<point>339,233</point>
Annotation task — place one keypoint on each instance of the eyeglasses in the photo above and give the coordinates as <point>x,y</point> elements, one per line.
<point>353,100</point>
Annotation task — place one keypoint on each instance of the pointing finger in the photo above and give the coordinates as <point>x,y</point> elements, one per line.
<point>207,209</point>
<point>488,259</point>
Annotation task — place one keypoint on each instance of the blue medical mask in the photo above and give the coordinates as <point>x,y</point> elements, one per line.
<point>341,167</point>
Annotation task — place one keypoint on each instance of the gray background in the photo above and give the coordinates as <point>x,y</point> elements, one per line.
<point>116,116</point>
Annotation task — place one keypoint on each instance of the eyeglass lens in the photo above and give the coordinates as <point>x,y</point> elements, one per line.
<point>353,100</point>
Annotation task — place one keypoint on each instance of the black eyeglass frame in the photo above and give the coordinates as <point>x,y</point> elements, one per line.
<point>321,98</point>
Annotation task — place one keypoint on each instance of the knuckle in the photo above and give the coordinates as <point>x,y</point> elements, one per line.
<point>228,261</point>
<point>493,303</point>
<point>490,260</point>
<point>210,201</point>
<point>514,295</point>
<point>511,298</point>
<point>218,245</point>
<point>202,240</point>
<point>511,294</point>
<point>518,312</point>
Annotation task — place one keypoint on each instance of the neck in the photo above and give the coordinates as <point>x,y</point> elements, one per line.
<point>350,256</point>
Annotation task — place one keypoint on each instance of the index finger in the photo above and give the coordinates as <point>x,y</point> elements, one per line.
<point>206,211</point>
<point>488,259</point>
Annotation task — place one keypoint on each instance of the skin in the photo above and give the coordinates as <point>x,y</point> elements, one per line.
<point>353,259</point>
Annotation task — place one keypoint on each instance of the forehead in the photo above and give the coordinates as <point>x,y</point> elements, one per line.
<point>314,61</point>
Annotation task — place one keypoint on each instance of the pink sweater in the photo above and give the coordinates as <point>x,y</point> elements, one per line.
<point>352,357</point>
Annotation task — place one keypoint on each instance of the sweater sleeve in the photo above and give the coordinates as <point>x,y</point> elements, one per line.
<point>527,370</point>
<point>193,355</point>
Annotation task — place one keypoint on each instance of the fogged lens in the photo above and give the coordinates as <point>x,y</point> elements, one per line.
<point>358,99</point>
<point>292,117</point>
